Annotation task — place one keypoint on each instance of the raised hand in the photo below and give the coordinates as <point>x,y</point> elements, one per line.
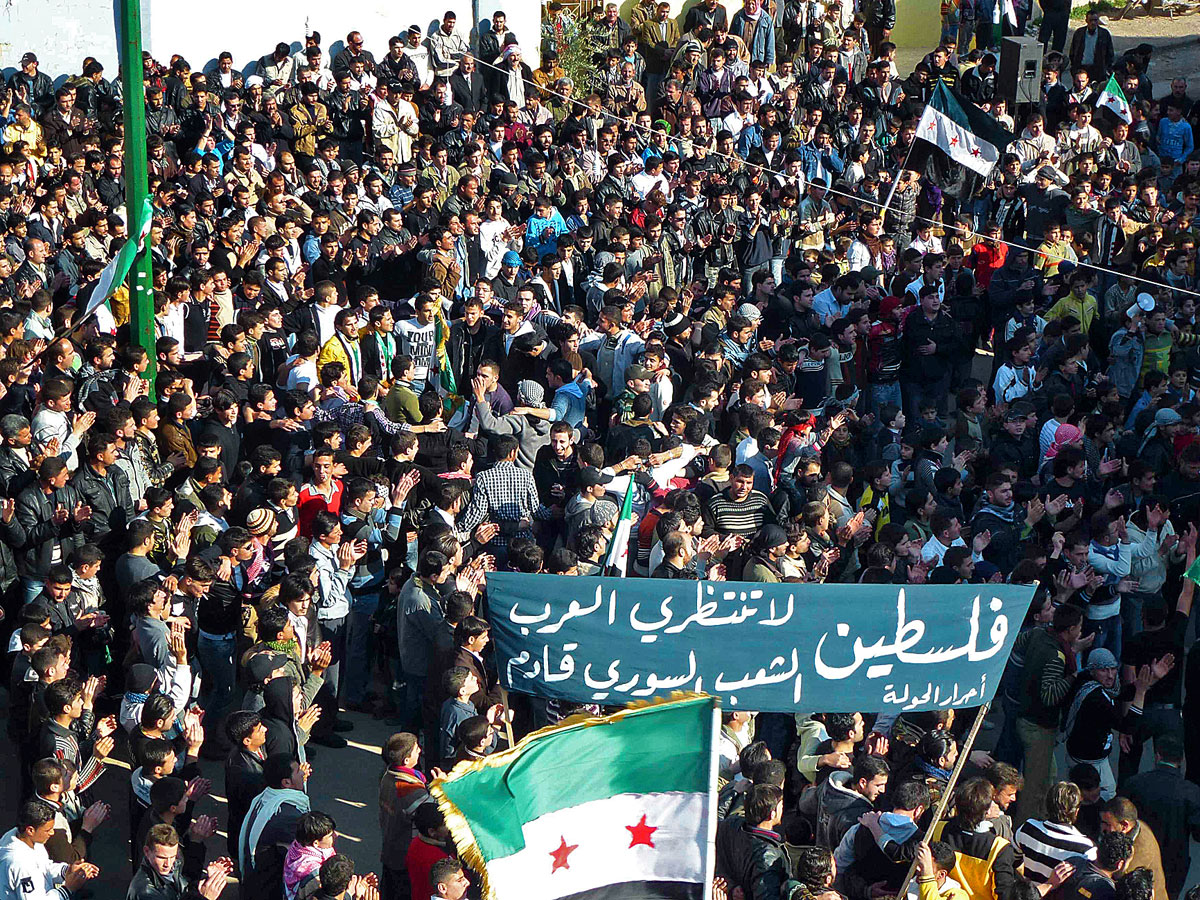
<point>95,815</point>
<point>1161,667</point>
<point>197,788</point>
<point>102,748</point>
<point>203,827</point>
<point>486,533</point>
<point>404,486</point>
<point>309,717</point>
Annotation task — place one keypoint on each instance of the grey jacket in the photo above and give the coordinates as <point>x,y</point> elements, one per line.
<point>532,434</point>
<point>419,630</point>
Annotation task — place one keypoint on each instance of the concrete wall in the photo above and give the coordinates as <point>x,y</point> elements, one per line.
<point>63,32</point>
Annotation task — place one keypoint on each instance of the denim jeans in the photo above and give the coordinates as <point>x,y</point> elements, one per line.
<point>1132,605</point>
<point>32,587</point>
<point>1008,744</point>
<point>917,392</point>
<point>360,627</point>
<point>882,394</point>
<point>414,696</point>
<point>1107,631</point>
<point>334,631</point>
<point>220,675</point>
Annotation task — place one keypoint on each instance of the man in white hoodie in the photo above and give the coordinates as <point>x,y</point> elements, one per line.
<point>52,423</point>
<point>26,872</point>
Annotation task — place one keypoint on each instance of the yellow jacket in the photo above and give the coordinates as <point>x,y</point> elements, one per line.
<point>335,351</point>
<point>35,145</point>
<point>950,890</point>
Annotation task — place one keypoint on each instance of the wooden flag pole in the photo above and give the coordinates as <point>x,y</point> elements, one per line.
<point>963,754</point>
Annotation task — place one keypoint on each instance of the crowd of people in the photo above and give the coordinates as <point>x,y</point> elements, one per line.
<point>423,313</point>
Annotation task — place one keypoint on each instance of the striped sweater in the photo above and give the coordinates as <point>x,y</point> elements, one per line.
<point>724,515</point>
<point>1046,844</point>
<point>63,743</point>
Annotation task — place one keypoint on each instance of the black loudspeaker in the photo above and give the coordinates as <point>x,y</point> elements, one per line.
<point>1020,74</point>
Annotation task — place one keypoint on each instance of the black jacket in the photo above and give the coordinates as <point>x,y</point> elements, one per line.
<point>108,496</point>
<point>917,331</point>
<point>243,782</point>
<point>147,884</point>
<point>1170,805</point>
<point>469,90</point>
<point>35,532</point>
<point>834,808</point>
<point>15,474</point>
<point>751,859</point>
<point>468,350</point>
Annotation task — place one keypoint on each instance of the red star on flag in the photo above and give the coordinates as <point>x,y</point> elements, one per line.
<point>1122,112</point>
<point>975,151</point>
<point>560,855</point>
<point>932,126</point>
<point>953,142</point>
<point>641,832</point>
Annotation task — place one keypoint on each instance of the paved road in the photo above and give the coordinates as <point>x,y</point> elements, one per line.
<point>344,785</point>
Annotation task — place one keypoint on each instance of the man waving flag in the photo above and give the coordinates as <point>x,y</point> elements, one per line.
<point>962,130</point>
<point>1113,99</point>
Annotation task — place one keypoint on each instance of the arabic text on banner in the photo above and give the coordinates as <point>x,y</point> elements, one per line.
<point>768,647</point>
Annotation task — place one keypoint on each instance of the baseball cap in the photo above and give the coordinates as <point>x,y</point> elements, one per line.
<point>28,58</point>
<point>640,373</point>
<point>591,477</point>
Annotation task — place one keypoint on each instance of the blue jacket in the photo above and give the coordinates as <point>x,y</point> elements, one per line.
<point>570,403</point>
<point>1175,139</point>
<point>815,160</point>
<point>762,44</point>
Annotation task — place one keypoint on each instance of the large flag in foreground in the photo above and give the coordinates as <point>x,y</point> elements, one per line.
<point>594,808</point>
<point>1113,99</point>
<point>962,130</point>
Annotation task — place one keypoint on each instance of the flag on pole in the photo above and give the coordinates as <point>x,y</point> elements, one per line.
<point>594,808</point>
<point>1113,99</point>
<point>1009,12</point>
<point>447,384</point>
<point>1193,571</point>
<point>115,273</point>
<point>962,130</point>
<point>618,550</point>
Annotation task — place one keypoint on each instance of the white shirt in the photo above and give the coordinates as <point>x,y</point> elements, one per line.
<point>26,873</point>
<point>325,317</point>
<point>303,376</point>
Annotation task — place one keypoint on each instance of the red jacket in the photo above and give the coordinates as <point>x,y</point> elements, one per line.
<point>313,501</point>
<point>419,860</point>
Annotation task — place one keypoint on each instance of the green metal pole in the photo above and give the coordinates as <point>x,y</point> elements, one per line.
<point>137,186</point>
